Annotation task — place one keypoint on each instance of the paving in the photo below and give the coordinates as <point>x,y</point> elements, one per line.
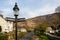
<point>27,36</point>
<point>53,37</point>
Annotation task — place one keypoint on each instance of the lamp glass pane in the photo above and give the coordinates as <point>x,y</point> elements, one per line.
<point>16,12</point>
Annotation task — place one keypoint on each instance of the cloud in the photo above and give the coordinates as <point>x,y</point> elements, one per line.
<point>1,11</point>
<point>57,1</point>
<point>39,8</point>
<point>11,2</point>
<point>46,9</point>
<point>27,12</point>
<point>7,12</point>
<point>31,0</point>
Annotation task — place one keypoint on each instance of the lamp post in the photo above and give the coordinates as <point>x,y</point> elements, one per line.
<point>16,10</point>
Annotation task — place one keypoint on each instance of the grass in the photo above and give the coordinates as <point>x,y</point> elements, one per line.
<point>42,35</point>
<point>45,37</point>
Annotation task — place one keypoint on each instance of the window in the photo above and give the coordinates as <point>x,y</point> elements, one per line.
<point>0,29</point>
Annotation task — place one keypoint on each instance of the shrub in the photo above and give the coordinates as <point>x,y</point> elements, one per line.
<point>21,34</point>
<point>3,36</point>
<point>42,35</point>
<point>39,31</point>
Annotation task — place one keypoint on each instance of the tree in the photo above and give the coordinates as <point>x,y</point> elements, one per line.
<point>40,29</point>
<point>42,26</point>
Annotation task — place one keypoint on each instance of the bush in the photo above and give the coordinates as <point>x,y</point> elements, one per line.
<point>41,35</point>
<point>21,34</point>
<point>3,36</point>
<point>42,26</point>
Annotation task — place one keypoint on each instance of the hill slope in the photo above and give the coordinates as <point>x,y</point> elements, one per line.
<point>53,19</point>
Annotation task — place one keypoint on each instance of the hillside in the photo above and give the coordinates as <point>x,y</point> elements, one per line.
<point>52,19</point>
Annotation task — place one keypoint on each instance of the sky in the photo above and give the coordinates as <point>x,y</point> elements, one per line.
<point>28,8</point>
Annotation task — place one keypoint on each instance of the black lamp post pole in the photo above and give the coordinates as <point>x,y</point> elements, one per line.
<point>16,9</point>
<point>16,27</point>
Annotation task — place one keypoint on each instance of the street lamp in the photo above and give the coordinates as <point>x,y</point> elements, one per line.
<point>16,10</point>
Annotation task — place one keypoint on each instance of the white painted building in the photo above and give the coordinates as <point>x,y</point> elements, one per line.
<point>5,25</point>
<point>9,26</point>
